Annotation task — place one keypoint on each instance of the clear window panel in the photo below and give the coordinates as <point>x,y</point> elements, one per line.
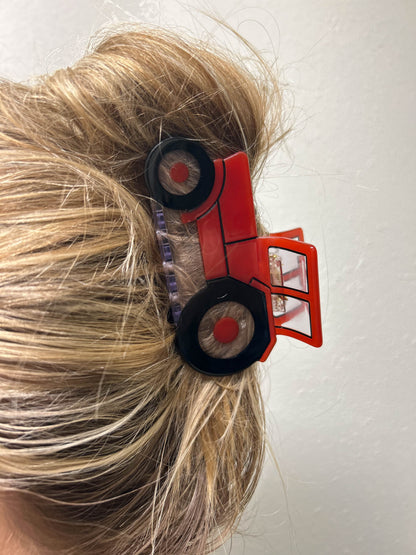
<point>288,269</point>
<point>292,313</point>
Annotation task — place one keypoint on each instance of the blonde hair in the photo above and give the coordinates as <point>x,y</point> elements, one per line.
<point>109,442</point>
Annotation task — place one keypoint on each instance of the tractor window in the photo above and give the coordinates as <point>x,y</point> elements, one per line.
<point>288,269</point>
<point>292,313</point>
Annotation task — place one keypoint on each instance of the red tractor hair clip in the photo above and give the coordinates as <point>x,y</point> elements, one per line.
<point>273,281</point>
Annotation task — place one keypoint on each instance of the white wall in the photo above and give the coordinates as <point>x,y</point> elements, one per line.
<point>341,418</point>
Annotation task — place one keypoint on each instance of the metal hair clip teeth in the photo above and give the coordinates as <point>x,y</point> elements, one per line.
<point>256,287</point>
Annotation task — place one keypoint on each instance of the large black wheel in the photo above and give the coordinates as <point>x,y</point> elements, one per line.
<point>179,173</point>
<point>223,328</point>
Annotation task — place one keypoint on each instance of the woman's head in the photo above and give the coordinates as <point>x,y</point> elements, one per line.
<point>109,442</point>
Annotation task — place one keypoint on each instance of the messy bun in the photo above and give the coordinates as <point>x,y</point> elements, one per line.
<point>109,442</point>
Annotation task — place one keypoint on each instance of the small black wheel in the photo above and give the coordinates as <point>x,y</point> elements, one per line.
<point>223,328</point>
<point>179,173</point>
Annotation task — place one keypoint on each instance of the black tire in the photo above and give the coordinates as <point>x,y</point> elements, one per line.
<point>203,186</point>
<point>219,291</point>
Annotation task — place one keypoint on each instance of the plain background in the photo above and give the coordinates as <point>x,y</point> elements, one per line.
<point>342,418</point>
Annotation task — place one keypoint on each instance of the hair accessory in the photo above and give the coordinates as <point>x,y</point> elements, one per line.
<point>256,287</point>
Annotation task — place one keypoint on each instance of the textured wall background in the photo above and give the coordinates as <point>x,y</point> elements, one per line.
<point>342,418</point>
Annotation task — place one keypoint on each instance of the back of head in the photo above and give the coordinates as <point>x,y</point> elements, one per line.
<point>109,442</point>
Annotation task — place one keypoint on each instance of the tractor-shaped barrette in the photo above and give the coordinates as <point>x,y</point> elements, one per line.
<point>256,287</point>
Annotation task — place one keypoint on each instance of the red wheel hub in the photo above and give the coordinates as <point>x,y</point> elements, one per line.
<point>179,172</point>
<point>226,330</point>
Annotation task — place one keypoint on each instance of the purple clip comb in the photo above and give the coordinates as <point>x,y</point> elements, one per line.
<point>167,259</point>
